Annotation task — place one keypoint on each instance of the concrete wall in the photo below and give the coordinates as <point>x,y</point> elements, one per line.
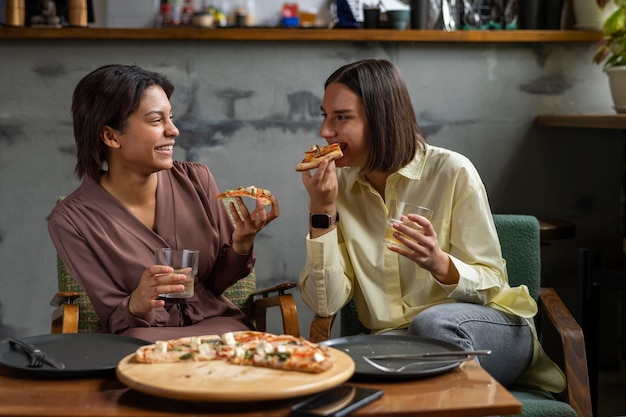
<point>236,102</point>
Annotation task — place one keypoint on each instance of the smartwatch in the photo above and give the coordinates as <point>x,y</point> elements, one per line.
<point>322,221</point>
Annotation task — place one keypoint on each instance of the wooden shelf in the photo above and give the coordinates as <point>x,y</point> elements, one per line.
<point>297,34</point>
<point>589,121</point>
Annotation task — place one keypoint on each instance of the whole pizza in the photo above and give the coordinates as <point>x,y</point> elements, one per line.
<point>251,348</point>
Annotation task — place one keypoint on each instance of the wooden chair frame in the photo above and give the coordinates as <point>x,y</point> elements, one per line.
<point>66,314</point>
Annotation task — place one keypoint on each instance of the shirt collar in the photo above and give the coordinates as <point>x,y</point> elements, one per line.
<point>413,170</point>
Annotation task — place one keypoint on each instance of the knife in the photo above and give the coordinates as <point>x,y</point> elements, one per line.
<point>431,354</point>
<point>28,348</point>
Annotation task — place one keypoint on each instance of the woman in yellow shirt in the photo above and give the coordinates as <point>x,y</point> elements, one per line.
<point>451,283</point>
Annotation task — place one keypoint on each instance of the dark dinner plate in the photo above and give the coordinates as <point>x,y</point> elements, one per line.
<point>358,346</point>
<point>83,354</point>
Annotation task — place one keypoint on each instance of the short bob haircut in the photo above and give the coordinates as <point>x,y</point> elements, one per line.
<point>107,96</point>
<point>394,135</point>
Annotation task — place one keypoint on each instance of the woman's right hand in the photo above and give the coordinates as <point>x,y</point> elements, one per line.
<point>155,280</point>
<point>322,187</point>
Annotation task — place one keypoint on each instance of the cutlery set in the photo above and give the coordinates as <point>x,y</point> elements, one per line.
<point>36,357</point>
<point>422,358</point>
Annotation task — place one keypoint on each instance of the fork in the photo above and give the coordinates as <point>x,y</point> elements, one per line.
<point>36,356</point>
<point>390,369</point>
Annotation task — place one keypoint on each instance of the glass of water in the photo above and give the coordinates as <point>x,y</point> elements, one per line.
<point>184,261</point>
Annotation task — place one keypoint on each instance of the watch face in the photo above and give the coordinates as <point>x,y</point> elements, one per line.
<point>320,221</point>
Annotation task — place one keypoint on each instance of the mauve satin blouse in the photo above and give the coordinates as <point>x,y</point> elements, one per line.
<point>107,249</point>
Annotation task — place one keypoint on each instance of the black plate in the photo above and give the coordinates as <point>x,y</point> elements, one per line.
<point>358,346</point>
<point>82,353</point>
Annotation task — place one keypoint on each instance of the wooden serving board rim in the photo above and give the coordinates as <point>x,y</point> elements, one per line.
<point>220,381</point>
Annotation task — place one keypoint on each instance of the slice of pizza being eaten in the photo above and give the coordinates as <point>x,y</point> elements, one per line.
<point>251,348</point>
<point>317,154</point>
<point>251,191</point>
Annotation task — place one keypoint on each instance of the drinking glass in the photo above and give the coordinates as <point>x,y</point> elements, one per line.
<point>184,261</point>
<point>398,212</point>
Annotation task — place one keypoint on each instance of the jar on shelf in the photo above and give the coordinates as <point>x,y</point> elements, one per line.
<point>15,13</point>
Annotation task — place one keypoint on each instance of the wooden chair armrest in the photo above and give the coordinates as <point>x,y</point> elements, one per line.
<point>279,288</point>
<point>65,315</point>
<point>64,297</point>
<point>285,302</point>
<point>575,358</point>
<point>320,328</point>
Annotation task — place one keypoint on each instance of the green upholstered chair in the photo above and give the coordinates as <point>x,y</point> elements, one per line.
<point>519,239</point>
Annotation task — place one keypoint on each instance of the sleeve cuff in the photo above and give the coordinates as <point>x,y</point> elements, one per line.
<point>322,252</point>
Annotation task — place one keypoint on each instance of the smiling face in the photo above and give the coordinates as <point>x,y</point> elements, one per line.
<point>146,145</point>
<point>345,123</point>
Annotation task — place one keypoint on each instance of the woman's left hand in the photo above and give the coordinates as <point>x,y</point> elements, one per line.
<point>248,224</point>
<point>423,249</point>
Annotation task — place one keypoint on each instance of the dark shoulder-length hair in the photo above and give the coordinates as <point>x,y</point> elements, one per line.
<point>107,96</point>
<point>394,135</point>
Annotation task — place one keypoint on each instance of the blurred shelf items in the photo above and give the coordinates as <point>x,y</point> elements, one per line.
<point>447,15</point>
<point>442,15</point>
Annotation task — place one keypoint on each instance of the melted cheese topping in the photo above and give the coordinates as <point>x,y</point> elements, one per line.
<point>160,347</point>
<point>229,339</point>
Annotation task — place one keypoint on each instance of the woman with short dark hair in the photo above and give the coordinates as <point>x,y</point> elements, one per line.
<point>135,198</point>
<point>391,124</point>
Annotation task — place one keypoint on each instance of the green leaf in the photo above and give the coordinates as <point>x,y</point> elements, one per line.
<point>616,22</point>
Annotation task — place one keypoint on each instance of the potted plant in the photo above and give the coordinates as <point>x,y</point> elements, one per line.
<point>591,14</point>
<point>611,52</point>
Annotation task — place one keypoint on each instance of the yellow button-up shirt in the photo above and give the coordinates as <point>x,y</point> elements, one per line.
<point>390,290</point>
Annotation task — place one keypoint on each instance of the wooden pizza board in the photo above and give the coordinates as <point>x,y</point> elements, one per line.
<point>225,382</point>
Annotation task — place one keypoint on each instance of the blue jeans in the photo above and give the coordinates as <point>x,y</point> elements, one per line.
<point>474,326</point>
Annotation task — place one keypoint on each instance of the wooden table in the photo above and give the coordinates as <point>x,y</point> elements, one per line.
<point>464,392</point>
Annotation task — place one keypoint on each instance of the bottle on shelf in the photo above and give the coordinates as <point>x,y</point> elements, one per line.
<point>163,17</point>
<point>187,13</point>
<point>176,12</point>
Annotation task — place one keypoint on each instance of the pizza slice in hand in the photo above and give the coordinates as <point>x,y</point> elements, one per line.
<point>251,192</point>
<point>317,154</point>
